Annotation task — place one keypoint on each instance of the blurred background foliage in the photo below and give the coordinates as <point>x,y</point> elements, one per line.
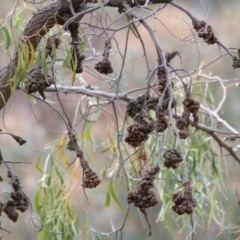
<point>42,129</point>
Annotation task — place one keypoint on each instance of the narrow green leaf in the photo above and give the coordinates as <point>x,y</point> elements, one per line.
<point>113,194</point>
<point>131,27</point>
<point>38,164</point>
<point>108,200</point>
<point>106,149</point>
<point>68,57</point>
<point>84,40</point>
<point>103,8</point>
<point>96,237</point>
<point>6,35</point>
<point>38,200</point>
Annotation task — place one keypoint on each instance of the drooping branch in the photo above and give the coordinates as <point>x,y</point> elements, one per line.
<point>41,22</point>
<point>126,98</point>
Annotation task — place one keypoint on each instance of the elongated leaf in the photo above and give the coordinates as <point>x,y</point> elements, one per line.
<point>108,200</point>
<point>113,194</point>
<point>131,27</point>
<point>38,164</point>
<point>38,200</point>
<point>103,8</point>
<point>68,57</point>
<point>6,35</point>
<point>65,159</point>
<point>84,40</point>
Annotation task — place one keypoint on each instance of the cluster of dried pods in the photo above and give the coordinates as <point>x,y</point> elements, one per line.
<point>18,200</point>
<point>143,124</point>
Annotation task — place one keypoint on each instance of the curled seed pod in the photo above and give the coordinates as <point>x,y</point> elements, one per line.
<point>161,123</point>
<point>90,179</point>
<point>49,45</point>
<point>183,123</point>
<point>172,158</point>
<point>37,82</point>
<point>186,203</point>
<point>71,146</point>
<point>152,103</point>
<point>139,131</point>
<point>135,106</point>
<point>236,60</point>
<point>162,82</point>
<point>11,213</point>
<point>204,31</point>
<point>193,106</point>
<point>170,55</point>
<point>144,198</point>
<point>104,67</point>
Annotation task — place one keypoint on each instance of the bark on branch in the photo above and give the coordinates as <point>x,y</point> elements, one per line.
<point>41,22</point>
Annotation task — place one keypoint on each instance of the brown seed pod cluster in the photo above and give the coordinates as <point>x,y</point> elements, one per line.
<point>183,123</point>
<point>161,73</point>
<point>10,211</point>
<point>105,66</point>
<point>170,55</point>
<point>173,158</point>
<point>185,203</point>
<point>144,198</point>
<point>236,60</point>
<point>37,82</point>
<point>192,105</point>
<point>72,144</point>
<point>49,46</point>
<point>77,56</point>
<point>90,178</point>
<point>135,106</point>
<point>204,31</point>
<point>162,123</point>
<point>151,103</point>
<point>18,201</point>
<point>162,80</point>
<point>139,131</point>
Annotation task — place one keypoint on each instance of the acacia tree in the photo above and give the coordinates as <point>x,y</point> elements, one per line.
<point>158,133</point>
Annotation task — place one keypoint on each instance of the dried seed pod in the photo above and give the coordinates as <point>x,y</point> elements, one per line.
<point>139,131</point>
<point>186,203</point>
<point>193,106</point>
<point>162,123</point>
<point>172,158</point>
<point>104,67</point>
<point>90,179</point>
<point>49,45</point>
<point>144,198</point>
<point>11,213</point>
<point>204,31</point>
<point>135,106</point>
<point>170,55</point>
<point>37,82</point>
<point>72,144</point>
<point>183,123</point>
<point>236,62</point>
<point>152,102</point>
<point>162,82</point>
